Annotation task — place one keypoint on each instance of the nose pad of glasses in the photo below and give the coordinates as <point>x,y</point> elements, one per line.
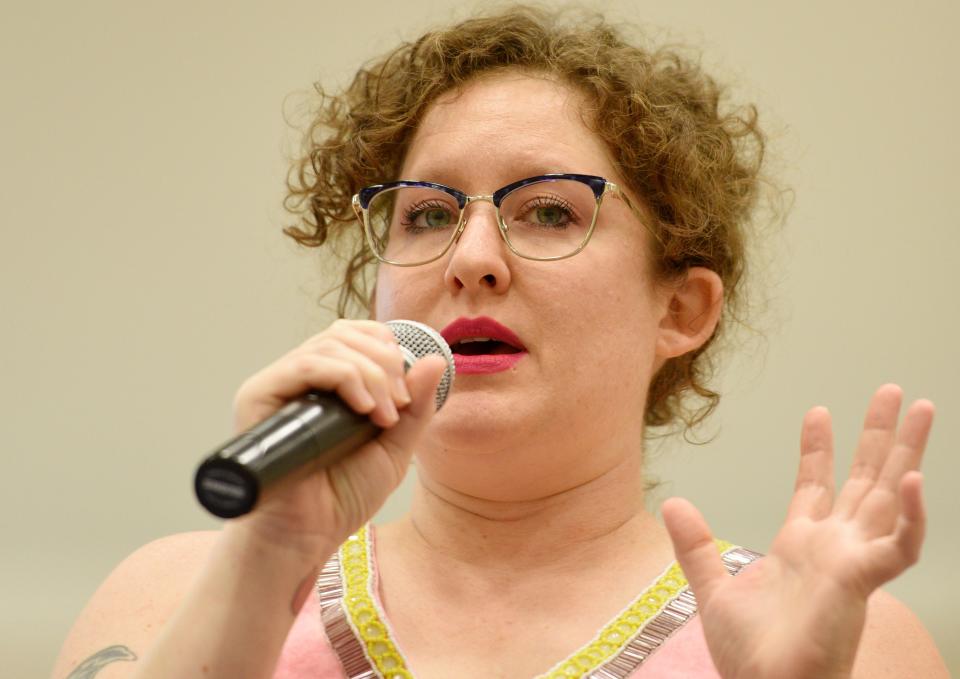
<point>464,216</point>
<point>486,221</point>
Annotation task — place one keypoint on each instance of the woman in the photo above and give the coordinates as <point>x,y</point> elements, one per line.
<point>569,213</point>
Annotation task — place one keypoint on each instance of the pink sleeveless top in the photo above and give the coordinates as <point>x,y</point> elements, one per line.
<point>342,631</point>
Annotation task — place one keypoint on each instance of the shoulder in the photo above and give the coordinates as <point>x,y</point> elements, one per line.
<point>895,643</point>
<point>158,571</point>
<point>133,601</point>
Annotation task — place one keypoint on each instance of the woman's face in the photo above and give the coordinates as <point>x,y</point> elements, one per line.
<point>572,406</point>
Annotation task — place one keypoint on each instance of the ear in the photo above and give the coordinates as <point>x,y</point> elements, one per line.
<point>691,313</point>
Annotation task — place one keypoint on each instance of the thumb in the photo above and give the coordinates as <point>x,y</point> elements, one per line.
<point>693,546</point>
<point>422,380</point>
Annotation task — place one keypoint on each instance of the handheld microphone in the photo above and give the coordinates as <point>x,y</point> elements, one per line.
<point>317,426</point>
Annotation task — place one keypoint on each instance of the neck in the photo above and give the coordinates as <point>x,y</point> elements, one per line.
<point>598,520</point>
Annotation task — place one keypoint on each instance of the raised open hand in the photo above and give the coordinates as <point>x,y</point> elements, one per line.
<point>799,612</point>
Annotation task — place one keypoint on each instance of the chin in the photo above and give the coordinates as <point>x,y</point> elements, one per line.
<point>488,418</point>
<point>470,432</point>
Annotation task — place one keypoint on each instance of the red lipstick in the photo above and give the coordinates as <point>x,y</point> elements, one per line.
<point>481,345</point>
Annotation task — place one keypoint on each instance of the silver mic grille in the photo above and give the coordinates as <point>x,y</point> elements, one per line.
<point>419,340</point>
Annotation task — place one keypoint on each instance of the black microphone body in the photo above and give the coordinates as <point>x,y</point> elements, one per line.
<point>318,427</point>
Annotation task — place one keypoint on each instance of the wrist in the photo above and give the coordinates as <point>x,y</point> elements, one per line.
<point>249,541</point>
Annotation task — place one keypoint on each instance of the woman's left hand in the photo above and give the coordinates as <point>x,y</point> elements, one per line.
<point>799,612</point>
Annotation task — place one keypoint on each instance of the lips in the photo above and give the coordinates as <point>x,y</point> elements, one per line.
<point>481,345</point>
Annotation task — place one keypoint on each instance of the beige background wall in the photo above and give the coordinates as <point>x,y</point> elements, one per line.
<point>144,276</point>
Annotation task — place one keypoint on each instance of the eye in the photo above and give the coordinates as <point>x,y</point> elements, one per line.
<point>436,217</point>
<point>549,214</point>
<point>548,211</point>
<point>429,214</point>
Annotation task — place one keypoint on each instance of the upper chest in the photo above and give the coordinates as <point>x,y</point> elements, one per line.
<point>552,637</point>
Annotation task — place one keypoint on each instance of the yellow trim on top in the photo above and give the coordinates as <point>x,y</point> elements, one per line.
<point>361,609</point>
<point>363,616</point>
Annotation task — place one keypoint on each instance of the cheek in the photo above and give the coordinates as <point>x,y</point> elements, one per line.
<point>614,302</point>
<point>617,327</point>
<point>386,297</point>
<point>383,300</point>
<point>400,293</point>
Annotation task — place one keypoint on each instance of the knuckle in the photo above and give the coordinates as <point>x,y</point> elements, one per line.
<point>387,334</point>
<point>246,392</point>
<point>303,364</point>
<point>244,387</point>
<point>239,399</point>
<point>379,373</point>
<point>350,372</point>
<point>390,357</point>
<point>324,343</point>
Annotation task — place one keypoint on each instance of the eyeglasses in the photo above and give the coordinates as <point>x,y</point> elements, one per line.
<point>544,218</point>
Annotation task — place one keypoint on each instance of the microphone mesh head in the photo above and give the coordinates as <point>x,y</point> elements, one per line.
<point>419,340</point>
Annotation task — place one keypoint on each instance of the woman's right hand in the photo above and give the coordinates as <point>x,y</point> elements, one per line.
<point>202,587</point>
<point>316,508</point>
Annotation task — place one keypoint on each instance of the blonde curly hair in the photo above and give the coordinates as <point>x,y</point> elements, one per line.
<point>695,168</point>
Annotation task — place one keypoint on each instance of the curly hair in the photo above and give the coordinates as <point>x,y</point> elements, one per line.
<point>695,168</point>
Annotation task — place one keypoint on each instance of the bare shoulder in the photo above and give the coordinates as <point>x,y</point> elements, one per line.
<point>895,643</point>
<point>132,604</point>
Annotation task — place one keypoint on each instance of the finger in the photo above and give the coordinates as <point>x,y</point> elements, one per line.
<point>373,329</point>
<point>897,551</point>
<point>813,491</point>
<point>267,391</point>
<point>912,525</point>
<point>365,478</point>
<point>694,547</point>
<point>879,433</point>
<point>911,443</point>
<point>361,383</point>
<point>422,380</point>
<point>374,340</point>
<point>375,379</point>
<point>307,371</point>
<point>879,511</point>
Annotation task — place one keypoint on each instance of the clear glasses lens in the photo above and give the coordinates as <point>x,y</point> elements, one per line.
<point>545,219</point>
<point>549,218</point>
<point>411,224</point>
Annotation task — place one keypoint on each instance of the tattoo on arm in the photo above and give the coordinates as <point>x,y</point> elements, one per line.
<point>90,667</point>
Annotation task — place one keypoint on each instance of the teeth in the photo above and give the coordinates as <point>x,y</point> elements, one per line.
<point>465,340</point>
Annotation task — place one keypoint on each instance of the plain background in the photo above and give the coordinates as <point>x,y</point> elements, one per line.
<point>144,274</point>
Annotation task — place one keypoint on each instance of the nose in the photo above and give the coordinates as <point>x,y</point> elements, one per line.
<point>479,259</point>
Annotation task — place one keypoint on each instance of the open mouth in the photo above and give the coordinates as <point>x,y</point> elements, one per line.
<point>482,345</point>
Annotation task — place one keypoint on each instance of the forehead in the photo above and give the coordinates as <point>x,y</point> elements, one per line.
<point>504,127</point>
